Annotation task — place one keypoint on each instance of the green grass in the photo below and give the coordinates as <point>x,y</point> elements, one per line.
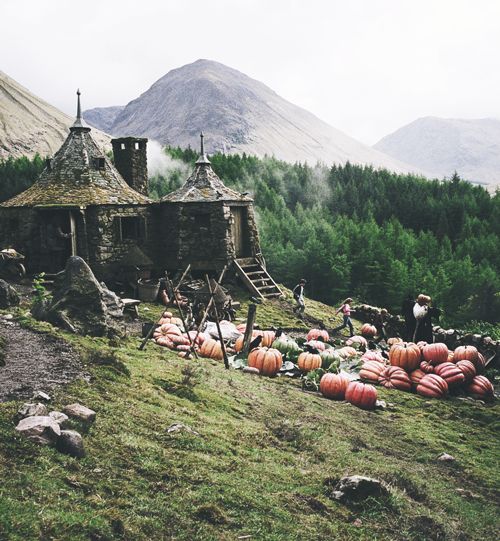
<point>263,465</point>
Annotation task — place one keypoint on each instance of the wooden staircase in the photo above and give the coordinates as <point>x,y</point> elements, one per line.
<point>256,278</point>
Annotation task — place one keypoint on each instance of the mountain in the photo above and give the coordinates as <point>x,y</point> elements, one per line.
<point>103,117</point>
<point>441,146</point>
<point>238,114</point>
<point>30,125</point>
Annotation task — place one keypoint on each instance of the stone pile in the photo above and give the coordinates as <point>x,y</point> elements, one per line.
<point>48,428</point>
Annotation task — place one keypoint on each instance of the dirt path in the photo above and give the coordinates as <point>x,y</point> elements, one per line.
<point>34,362</point>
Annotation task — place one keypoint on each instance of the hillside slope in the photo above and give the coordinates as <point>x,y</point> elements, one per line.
<point>30,125</point>
<point>238,114</point>
<point>261,463</point>
<point>441,146</point>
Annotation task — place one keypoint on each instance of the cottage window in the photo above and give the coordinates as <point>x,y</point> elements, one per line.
<point>99,163</point>
<point>137,145</point>
<point>122,146</point>
<point>131,227</point>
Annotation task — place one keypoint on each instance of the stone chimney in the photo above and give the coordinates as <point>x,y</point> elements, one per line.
<point>132,162</point>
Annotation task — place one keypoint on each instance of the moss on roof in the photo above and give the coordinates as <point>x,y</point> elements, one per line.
<point>73,179</point>
<point>204,186</point>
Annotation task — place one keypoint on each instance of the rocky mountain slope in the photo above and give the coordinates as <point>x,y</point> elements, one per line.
<point>30,125</point>
<point>441,146</point>
<point>238,114</point>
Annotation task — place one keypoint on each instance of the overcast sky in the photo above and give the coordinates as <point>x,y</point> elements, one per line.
<point>366,67</point>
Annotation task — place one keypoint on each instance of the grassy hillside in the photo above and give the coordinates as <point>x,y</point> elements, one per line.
<point>261,464</point>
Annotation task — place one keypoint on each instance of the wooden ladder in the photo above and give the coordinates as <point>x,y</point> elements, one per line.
<point>256,278</point>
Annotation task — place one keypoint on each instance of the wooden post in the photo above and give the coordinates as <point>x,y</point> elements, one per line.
<point>252,312</point>
<point>191,343</point>
<point>222,345</point>
<point>209,305</point>
<point>152,330</point>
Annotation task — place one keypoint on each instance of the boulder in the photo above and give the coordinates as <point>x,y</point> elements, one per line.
<point>40,395</point>
<point>82,305</point>
<point>32,410</point>
<point>445,457</point>
<point>82,413</point>
<point>70,442</point>
<point>40,429</point>
<point>357,487</point>
<point>8,295</point>
<point>59,417</point>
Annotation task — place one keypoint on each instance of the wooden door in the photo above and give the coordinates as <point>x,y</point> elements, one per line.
<point>237,230</point>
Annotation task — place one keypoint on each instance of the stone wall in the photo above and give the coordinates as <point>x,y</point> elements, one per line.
<point>451,337</point>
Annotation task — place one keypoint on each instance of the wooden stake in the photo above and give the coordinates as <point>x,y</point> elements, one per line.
<point>191,343</point>
<point>209,305</point>
<point>152,330</point>
<point>222,345</point>
<point>252,312</point>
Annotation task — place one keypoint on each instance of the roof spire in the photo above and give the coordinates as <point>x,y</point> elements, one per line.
<point>203,159</point>
<point>78,107</point>
<point>78,123</point>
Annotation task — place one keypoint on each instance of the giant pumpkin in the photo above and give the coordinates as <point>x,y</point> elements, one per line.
<point>394,377</point>
<point>481,388</point>
<point>267,339</point>
<point>267,360</point>
<point>317,344</point>
<point>371,370</point>
<point>415,377</point>
<point>405,355</point>
<point>328,357</point>
<point>361,395</point>
<point>373,356</point>
<point>468,370</point>
<point>432,386</point>
<point>309,361</point>
<point>451,373</point>
<point>211,349</point>
<point>314,334</point>
<point>333,386</point>
<point>346,352</point>
<point>368,331</point>
<point>466,353</point>
<point>435,353</point>
<point>359,340</point>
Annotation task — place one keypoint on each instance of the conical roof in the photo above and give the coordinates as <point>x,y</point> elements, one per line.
<point>79,175</point>
<point>204,185</point>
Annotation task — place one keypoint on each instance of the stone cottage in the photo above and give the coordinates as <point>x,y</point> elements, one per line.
<point>84,205</point>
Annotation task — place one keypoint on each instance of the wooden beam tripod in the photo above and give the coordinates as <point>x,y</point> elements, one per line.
<point>151,331</point>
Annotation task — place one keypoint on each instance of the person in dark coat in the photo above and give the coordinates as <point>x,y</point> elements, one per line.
<point>410,321</point>
<point>425,330</point>
<point>298,295</point>
<point>379,321</point>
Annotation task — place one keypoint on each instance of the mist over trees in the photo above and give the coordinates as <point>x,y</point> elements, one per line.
<point>353,230</point>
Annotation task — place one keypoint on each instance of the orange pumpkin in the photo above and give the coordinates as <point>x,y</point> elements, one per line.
<point>346,352</point>
<point>435,353</point>
<point>361,395</point>
<point>481,388</point>
<point>427,367</point>
<point>360,340</point>
<point>317,344</point>
<point>394,377</point>
<point>373,356</point>
<point>333,386</point>
<point>405,355</point>
<point>468,370</point>
<point>481,363</point>
<point>467,353</point>
<point>432,386</point>
<point>451,374</point>
<point>309,361</point>
<point>416,376</point>
<point>267,360</point>
<point>394,340</point>
<point>267,339</point>
<point>368,331</point>
<point>212,349</point>
<point>314,334</point>
<point>371,370</point>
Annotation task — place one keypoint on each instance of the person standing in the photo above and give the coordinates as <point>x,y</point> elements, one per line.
<point>379,322</point>
<point>346,313</point>
<point>298,295</point>
<point>407,311</point>
<point>421,314</point>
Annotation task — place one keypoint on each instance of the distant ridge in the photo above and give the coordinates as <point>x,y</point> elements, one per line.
<point>441,146</point>
<point>238,114</point>
<point>30,125</point>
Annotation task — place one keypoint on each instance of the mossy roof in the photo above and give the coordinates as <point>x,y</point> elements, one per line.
<point>205,186</point>
<point>72,178</point>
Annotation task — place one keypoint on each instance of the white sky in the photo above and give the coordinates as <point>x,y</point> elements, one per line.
<point>366,67</point>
